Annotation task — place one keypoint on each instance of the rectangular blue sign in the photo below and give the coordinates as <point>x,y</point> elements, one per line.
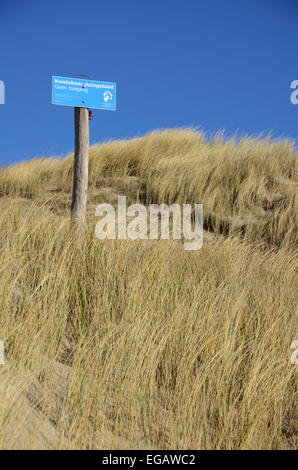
<point>83,93</point>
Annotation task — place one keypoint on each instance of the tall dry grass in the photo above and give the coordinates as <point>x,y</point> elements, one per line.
<point>248,186</point>
<point>155,347</point>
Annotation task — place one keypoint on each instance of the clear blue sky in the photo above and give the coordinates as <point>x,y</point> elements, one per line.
<point>212,64</point>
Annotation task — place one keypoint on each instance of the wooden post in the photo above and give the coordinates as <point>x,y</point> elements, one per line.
<point>81,162</point>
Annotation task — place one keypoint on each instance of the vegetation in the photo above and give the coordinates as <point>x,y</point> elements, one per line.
<point>141,344</point>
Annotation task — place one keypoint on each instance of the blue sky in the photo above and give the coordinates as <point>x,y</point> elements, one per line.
<point>216,64</point>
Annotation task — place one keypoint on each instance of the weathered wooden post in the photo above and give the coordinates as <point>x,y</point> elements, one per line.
<point>81,163</point>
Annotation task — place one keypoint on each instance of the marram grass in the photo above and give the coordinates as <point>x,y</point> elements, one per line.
<point>140,344</point>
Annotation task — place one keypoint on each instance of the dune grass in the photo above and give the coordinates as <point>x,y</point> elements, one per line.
<point>248,186</point>
<point>164,348</point>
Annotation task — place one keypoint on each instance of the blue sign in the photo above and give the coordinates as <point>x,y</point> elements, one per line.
<point>83,93</point>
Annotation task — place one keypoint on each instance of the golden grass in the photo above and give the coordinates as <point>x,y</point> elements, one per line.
<point>248,186</point>
<point>164,348</point>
